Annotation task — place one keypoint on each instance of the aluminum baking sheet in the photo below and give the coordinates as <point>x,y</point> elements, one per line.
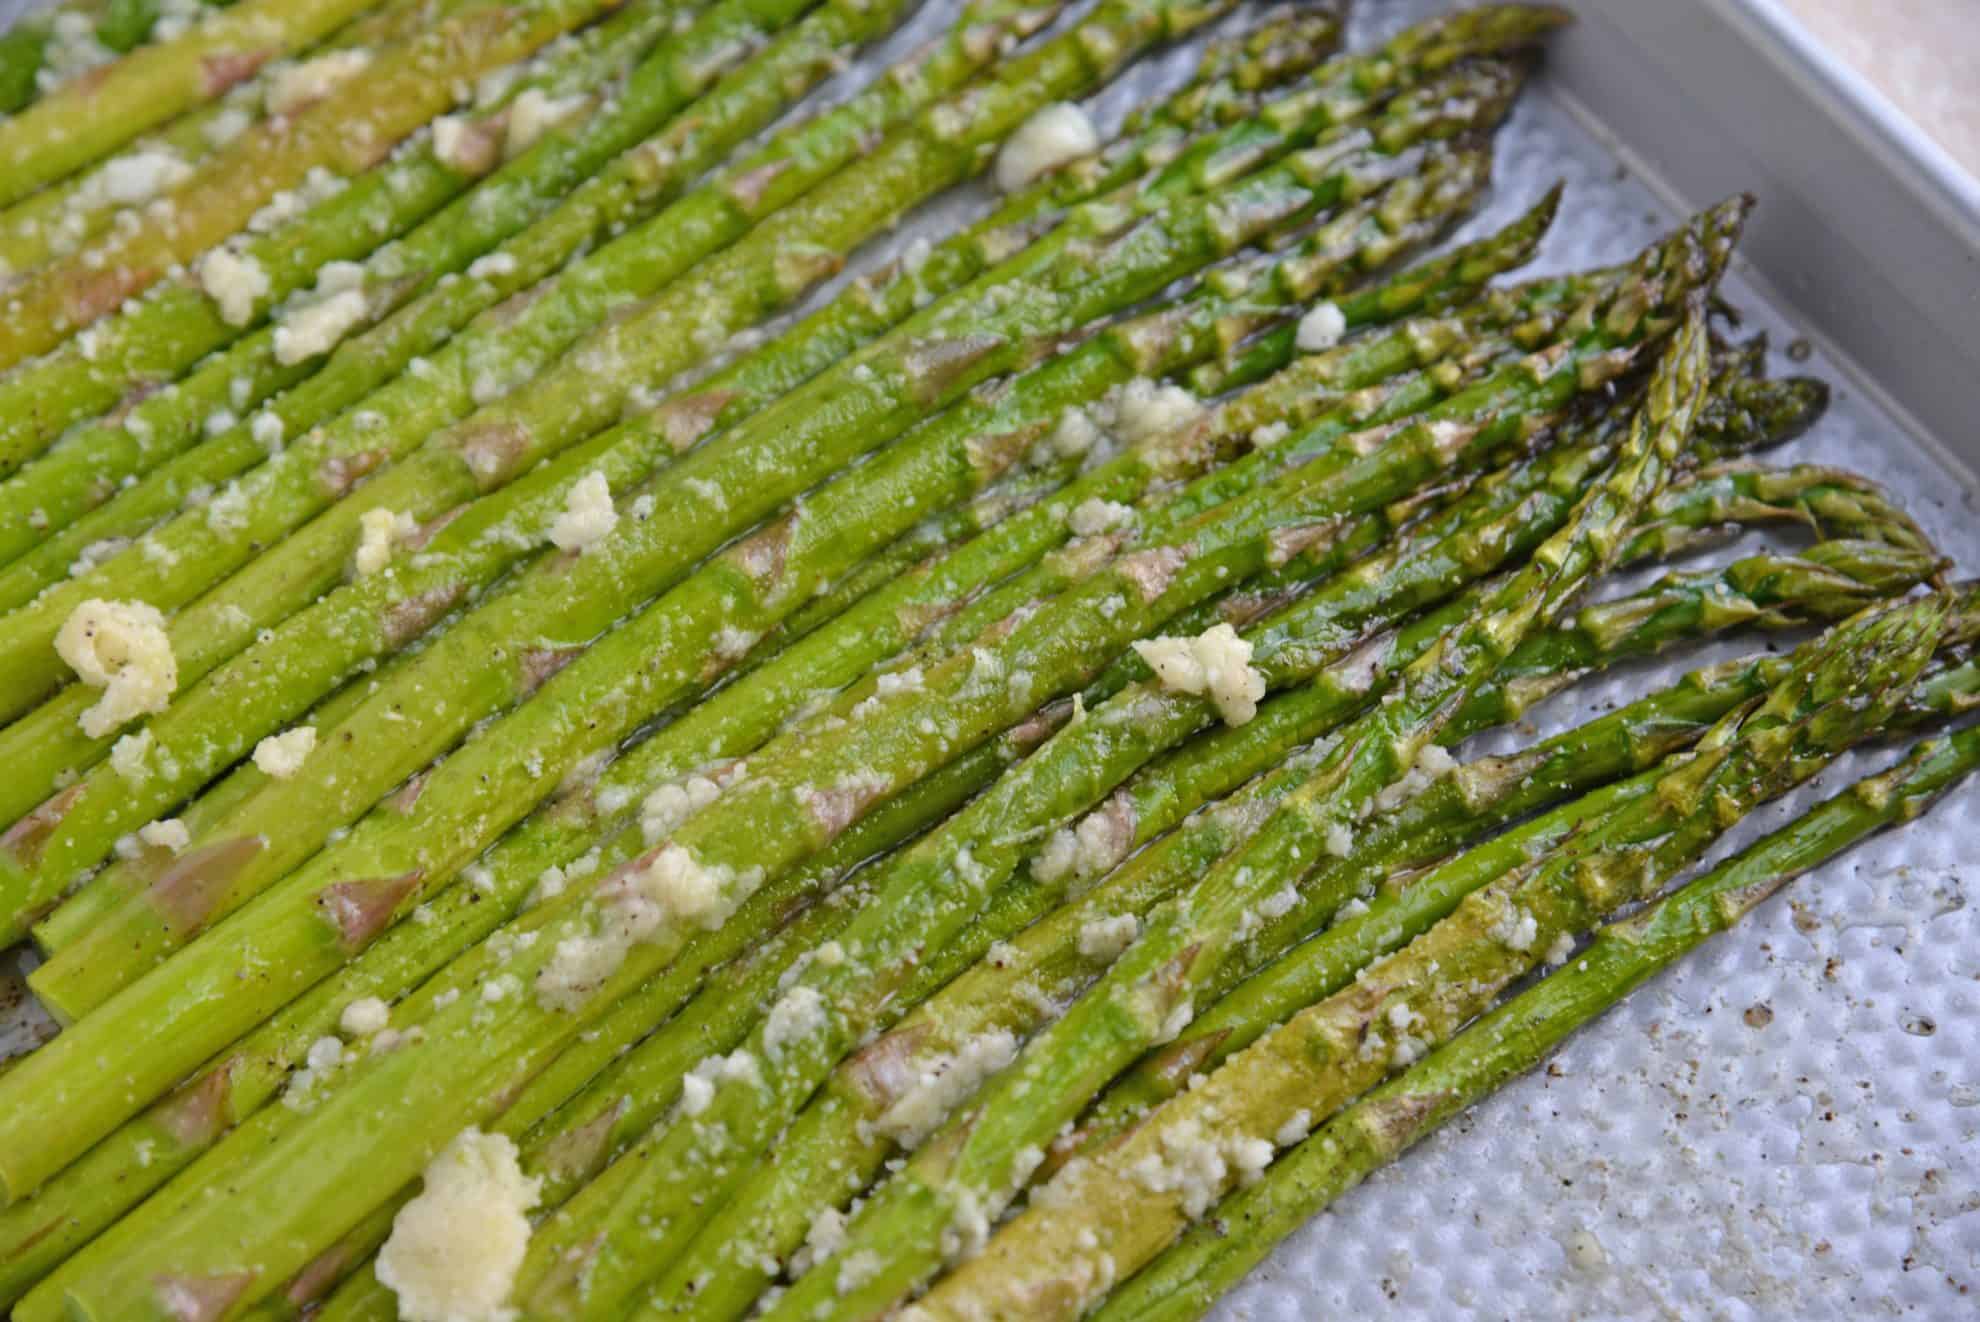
<point>1785,1125</point>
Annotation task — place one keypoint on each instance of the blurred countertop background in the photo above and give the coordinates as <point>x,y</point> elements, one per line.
<point>1922,54</point>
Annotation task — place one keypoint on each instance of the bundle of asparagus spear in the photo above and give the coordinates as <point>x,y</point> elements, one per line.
<point>556,771</point>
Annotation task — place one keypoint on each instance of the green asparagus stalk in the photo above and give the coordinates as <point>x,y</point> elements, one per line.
<point>563,839</point>
<point>761,375</point>
<point>596,1249</point>
<point>838,1143</point>
<point>1348,1042</point>
<point>678,506</point>
<point>351,129</point>
<point>1209,1258</point>
<point>454,466</point>
<point>1486,793</point>
<point>160,335</point>
<point>1025,413</point>
<point>60,217</point>
<point>248,1077</point>
<point>88,118</point>
<point>1151,990</point>
<point>440,478</point>
<point>60,489</point>
<point>729,725</point>
<point>1056,645</point>
<point>57,743</point>
<point>191,553</point>
<point>595,1117</point>
<point>1012,422</point>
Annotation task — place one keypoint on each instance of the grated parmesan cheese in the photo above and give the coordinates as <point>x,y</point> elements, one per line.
<point>455,1249</point>
<point>365,1017</point>
<point>533,114</point>
<point>234,283</point>
<point>1321,328</point>
<point>120,647</point>
<point>588,516</point>
<point>1050,138</point>
<point>282,755</point>
<point>1106,938</point>
<point>1143,409</point>
<point>295,86</point>
<point>169,833</point>
<point>379,531</point>
<point>1216,663</point>
<point>1094,515</point>
<point>129,756</point>
<point>318,326</point>
<point>942,1082</point>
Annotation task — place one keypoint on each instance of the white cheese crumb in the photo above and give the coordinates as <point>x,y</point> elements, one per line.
<point>454,1250</point>
<point>1321,328</point>
<point>365,1017</point>
<point>317,326</point>
<point>129,755</point>
<point>533,114</point>
<point>1075,434</point>
<point>267,431</point>
<point>1297,1126</point>
<point>168,833</point>
<point>1216,663</point>
<point>234,283</point>
<point>456,144</point>
<point>663,811</point>
<point>1143,409</point>
<point>120,647</point>
<point>696,1093</point>
<point>799,1013</point>
<point>1515,928</point>
<point>136,177</point>
<point>1094,515</point>
<point>281,755</point>
<point>943,1082</point>
<point>294,86</point>
<point>493,266</point>
<point>588,516</point>
<point>1106,938</point>
<point>1340,840</point>
<point>1563,947</point>
<point>379,531</point>
<point>1055,135</point>
<point>1264,438</point>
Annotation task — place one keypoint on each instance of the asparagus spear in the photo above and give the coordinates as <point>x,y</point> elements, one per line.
<point>760,376</point>
<point>243,1082</point>
<point>559,406</point>
<point>87,467</point>
<point>1834,698</point>
<point>1026,411</point>
<point>597,1248</point>
<point>351,129</point>
<point>1511,1039</point>
<point>75,124</point>
<point>1014,424</point>
<point>192,552</point>
<point>1489,792</point>
<point>729,725</point>
<point>1151,989</point>
<point>158,336</point>
<point>838,1143</point>
<point>61,216</point>
<point>1056,645</point>
<point>58,744</point>
<point>679,506</point>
